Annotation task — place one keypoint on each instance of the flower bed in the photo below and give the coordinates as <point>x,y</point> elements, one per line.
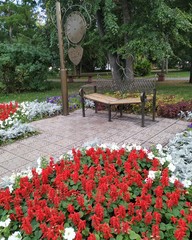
<point>7,109</point>
<point>15,117</point>
<point>102,192</point>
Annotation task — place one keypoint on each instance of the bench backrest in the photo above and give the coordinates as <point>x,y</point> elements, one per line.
<point>136,86</point>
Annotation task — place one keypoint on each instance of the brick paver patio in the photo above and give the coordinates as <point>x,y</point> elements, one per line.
<point>61,133</point>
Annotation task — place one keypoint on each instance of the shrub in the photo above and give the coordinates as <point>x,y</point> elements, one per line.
<point>173,110</point>
<point>23,67</point>
<point>142,67</point>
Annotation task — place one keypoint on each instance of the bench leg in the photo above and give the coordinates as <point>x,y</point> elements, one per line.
<point>143,114</point>
<point>96,107</point>
<point>121,110</point>
<point>143,99</point>
<point>154,103</point>
<point>82,102</point>
<point>109,112</point>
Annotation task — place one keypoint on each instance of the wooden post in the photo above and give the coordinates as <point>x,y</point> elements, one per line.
<point>63,72</point>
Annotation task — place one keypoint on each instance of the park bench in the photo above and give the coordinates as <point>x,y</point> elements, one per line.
<point>72,77</point>
<point>146,88</point>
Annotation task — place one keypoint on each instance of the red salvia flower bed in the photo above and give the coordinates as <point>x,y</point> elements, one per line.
<point>102,194</point>
<point>6,109</point>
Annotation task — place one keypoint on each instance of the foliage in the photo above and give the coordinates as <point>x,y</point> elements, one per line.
<point>18,20</point>
<point>74,101</point>
<point>142,67</point>
<point>98,193</point>
<point>186,115</point>
<point>23,67</point>
<point>180,148</point>
<point>173,110</point>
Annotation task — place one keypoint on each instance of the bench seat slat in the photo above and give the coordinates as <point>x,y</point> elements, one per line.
<point>97,97</point>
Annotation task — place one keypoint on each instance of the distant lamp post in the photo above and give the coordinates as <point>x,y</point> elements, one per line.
<point>63,71</point>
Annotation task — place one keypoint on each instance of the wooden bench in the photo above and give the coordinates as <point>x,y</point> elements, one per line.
<point>112,101</point>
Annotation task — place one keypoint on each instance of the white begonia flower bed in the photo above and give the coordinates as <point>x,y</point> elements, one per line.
<point>15,126</point>
<point>17,130</point>
<point>36,109</point>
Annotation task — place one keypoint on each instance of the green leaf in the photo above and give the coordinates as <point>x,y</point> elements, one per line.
<point>97,236</point>
<point>119,237</point>
<point>162,226</point>
<point>134,235</point>
<point>176,212</point>
<point>38,234</point>
<point>86,232</point>
<point>161,235</point>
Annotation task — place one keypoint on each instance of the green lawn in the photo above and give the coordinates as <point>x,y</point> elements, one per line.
<point>41,96</point>
<point>180,89</point>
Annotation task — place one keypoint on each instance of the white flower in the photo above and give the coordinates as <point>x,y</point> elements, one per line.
<point>127,147</point>
<point>69,233</point>
<point>39,170</point>
<point>162,160</point>
<point>5,223</point>
<point>145,150</point>
<point>12,178</point>
<point>103,145</point>
<point>186,183</point>
<point>151,174</point>
<point>168,158</point>
<point>11,188</point>
<point>150,155</point>
<point>15,236</point>
<point>171,167</point>
<point>138,147</point>
<point>114,146</point>
<point>172,179</point>
<point>39,161</point>
<point>159,147</point>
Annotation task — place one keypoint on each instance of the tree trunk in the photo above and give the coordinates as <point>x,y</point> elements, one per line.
<point>113,59</point>
<point>129,60</point>
<point>190,78</point>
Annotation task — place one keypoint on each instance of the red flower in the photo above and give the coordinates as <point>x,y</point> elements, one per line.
<point>70,208</point>
<point>115,224</point>
<point>157,217</point>
<point>159,203</point>
<point>173,219</point>
<point>159,191</point>
<point>81,225</point>
<point>91,237</point>
<point>78,236</point>
<point>105,229</point>
<point>148,218</point>
<point>165,177</point>
<point>26,225</point>
<point>155,232</point>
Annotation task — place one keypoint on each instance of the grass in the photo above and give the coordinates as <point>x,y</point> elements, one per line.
<point>179,89</point>
<point>41,96</point>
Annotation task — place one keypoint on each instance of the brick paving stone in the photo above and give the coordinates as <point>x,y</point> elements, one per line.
<point>6,156</point>
<point>3,171</point>
<point>14,163</point>
<point>61,133</point>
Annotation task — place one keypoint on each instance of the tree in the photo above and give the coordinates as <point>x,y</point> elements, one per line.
<point>131,28</point>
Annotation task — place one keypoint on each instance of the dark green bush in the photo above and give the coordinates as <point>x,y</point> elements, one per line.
<point>23,67</point>
<point>142,67</point>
